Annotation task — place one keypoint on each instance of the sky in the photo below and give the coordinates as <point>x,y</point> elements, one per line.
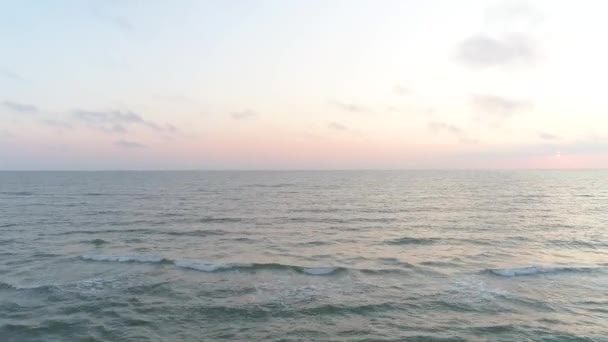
<point>284,84</point>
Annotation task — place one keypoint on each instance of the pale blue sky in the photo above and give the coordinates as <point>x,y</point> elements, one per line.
<point>302,84</point>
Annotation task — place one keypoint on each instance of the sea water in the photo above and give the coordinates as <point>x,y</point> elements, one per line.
<point>304,256</point>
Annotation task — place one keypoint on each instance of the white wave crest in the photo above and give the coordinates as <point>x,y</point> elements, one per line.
<point>534,270</point>
<point>210,267</point>
<point>123,258</point>
<point>201,266</point>
<point>320,270</point>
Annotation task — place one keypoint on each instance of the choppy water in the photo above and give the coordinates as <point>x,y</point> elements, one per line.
<point>304,256</point>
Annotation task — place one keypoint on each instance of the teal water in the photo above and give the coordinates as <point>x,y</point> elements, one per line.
<point>304,256</point>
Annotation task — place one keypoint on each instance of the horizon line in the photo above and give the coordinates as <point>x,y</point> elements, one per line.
<point>300,170</point>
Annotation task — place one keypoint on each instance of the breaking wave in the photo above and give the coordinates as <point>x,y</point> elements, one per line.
<point>124,258</point>
<point>211,267</point>
<point>535,270</point>
<point>412,241</point>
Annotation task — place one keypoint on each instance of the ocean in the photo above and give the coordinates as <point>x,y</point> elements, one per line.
<point>304,256</point>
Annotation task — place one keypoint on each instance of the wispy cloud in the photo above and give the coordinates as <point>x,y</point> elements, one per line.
<point>116,121</point>
<point>340,128</point>
<point>548,136</point>
<point>121,22</point>
<point>20,107</point>
<point>511,43</point>
<point>245,114</point>
<point>586,145</point>
<point>11,75</point>
<point>110,116</point>
<point>349,107</point>
<point>495,105</point>
<point>337,126</point>
<point>486,51</point>
<point>5,134</point>
<point>401,90</point>
<point>116,20</point>
<point>57,123</point>
<point>129,144</point>
<point>463,138</point>
<point>468,141</point>
<point>436,126</point>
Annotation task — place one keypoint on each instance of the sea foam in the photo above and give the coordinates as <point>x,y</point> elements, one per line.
<point>203,266</point>
<point>320,270</point>
<point>535,270</point>
<point>124,258</point>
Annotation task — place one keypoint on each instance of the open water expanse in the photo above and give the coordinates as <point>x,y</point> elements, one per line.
<point>304,256</point>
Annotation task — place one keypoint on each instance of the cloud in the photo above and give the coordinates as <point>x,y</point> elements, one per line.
<point>337,126</point>
<point>589,145</point>
<point>121,22</point>
<point>436,126</point>
<point>468,141</point>
<point>118,21</point>
<point>548,136</point>
<point>5,134</point>
<point>511,42</point>
<point>115,121</point>
<point>393,109</point>
<point>481,51</point>
<point>111,116</point>
<point>349,107</point>
<point>245,114</point>
<point>112,13</point>
<point>498,106</point>
<point>128,144</point>
<point>115,128</point>
<point>10,75</point>
<point>20,107</point>
<point>401,90</point>
<point>56,123</point>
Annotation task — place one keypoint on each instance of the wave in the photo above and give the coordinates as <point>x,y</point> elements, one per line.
<point>211,267</point>
<point>278,185</point>
<point>338,310</point>
<point>577,244</point>
<point>207,267</point>
<point>124,258</point>
<point>412,241</point>
<point>96,242</point>
<point>6,225</point>
<point>198,232</point>
<point>317,210</point>
<point>17,193</point>
<point>535,270</point>
<point>321,270</point>
<point>6,286</point>
<point>202,266</point>
<point>328,220</point>
<point>106,231</point>
<point>313,243</point>
<point>219,220</point>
